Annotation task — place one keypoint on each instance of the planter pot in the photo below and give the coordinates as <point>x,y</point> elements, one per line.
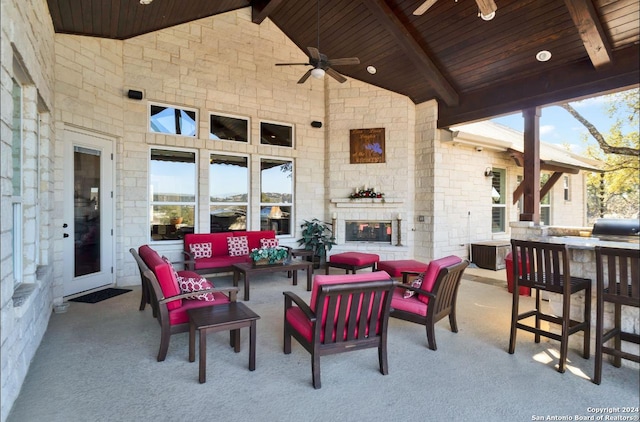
<point>262,262</point>
<point>176,220</point>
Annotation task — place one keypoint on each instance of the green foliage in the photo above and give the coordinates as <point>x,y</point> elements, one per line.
<point>317,236</point>
<point>273,255</point>
<point>617,194</point>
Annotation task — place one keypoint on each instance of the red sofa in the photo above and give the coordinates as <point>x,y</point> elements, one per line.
<point>220,260</point>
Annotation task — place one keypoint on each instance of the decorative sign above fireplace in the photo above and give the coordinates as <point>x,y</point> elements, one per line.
<point>368,231</point>
<point>366,146</point>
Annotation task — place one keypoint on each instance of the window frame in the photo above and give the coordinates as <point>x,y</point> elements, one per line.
<point>247,203</point>
<point>566,188</point>
<point>152,203</point>
<point>501,174</point>
<point>231,116</point>
<point>177,107</point>
<point>290,205</point>
<point>271,122</point>
<point>17,130</point>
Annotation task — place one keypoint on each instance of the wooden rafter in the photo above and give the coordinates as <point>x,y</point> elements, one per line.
<point>414,52</point>
<point>595,41</point>
<point>260,9</point>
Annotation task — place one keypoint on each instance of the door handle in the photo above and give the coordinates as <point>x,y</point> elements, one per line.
<point>65,235</point>
<point>65,225</point>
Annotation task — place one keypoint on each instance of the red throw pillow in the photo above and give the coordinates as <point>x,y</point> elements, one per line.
<point>200,250</point>
<point>238,245</point>
<point>195,284</point>
<point>417,283</point>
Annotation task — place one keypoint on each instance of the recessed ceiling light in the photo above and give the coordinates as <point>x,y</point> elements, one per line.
<point>145,1</point>
<point>372,70</point>
<point>543,56</point>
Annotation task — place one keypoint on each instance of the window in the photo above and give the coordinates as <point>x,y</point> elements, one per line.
<point>565,187</point>
<point>16,179</point>
<point>172,192</point>
<point>276,195</point>
<point>228,192</point>
<point>276,134</point>
<point>545,203</point>
<point>498,208</point>
<point>172,120</point>
<point>228,128</point>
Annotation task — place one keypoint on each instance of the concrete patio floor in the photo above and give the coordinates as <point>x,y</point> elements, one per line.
<point>98,362</point>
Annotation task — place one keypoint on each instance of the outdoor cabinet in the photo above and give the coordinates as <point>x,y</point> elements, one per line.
<point>490,255</point>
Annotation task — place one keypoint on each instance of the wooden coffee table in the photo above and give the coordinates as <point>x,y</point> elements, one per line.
<point>248,269</point>
<point>228,316</point>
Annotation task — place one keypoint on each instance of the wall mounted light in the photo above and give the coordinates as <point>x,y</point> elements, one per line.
<point>134,94</point>
<point>488,172</point>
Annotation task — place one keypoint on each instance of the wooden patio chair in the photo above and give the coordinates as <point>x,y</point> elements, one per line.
<point>346,313</point>
<point>618,286</point>
<point>434,299</point>
<point>171,306</point>
<point>544,267</point>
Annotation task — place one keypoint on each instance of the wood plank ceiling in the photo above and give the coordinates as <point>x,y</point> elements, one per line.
<point>476,69</point>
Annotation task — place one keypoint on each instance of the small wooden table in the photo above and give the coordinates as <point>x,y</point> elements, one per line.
<point>228,316</point>
<point>247,269</point>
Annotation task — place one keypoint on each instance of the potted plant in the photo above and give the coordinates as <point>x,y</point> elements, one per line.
<point>269,256</point>
<point>318,237</point>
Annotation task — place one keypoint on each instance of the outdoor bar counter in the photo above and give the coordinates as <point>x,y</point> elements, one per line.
<point>583,264</point>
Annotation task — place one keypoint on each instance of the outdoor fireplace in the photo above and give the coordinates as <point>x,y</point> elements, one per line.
<point>368,231</point>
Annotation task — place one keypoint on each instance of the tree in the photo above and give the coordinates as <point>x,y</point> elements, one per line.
<point>616,192</point>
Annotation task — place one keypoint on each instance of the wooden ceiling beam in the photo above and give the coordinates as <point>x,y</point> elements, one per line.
<point>414,52</point>
<point>586,20</point>
<point>261,9</point>
<point>562,83</point>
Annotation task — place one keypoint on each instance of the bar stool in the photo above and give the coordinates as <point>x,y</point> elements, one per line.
<point>622,267</point>
<point>548,270</point>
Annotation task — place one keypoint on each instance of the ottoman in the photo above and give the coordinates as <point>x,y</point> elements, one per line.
<point>352,261</point>
<point>395,268</point>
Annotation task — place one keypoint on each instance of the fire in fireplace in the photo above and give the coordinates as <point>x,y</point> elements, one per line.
<point>368,231</point>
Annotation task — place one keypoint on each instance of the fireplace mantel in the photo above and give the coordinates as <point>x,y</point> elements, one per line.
<point>366,202</point>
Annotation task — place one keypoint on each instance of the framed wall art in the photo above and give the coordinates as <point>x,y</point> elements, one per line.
<point>366,146</point>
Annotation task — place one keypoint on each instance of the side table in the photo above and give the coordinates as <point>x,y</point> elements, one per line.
<point>228,316</point>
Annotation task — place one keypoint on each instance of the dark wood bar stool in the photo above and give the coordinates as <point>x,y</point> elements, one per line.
<point>618,283</point>
<point>545,267</point>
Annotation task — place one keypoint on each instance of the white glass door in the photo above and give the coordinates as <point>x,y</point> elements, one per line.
<point>88,212</point>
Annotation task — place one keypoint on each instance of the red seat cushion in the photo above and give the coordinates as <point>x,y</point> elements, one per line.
<point>431,274</point>
<point>179,315</point>
<point>220,261</point>
<point>411,304</point>
<point>354,258</point>
<point>395,268</point>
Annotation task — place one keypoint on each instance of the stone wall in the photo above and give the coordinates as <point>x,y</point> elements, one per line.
<point>26,298</point>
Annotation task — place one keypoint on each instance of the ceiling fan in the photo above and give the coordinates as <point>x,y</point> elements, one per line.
<point>487,8</point>
<point>320,63</point>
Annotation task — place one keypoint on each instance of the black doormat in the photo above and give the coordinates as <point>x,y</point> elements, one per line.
<point>99,296</point>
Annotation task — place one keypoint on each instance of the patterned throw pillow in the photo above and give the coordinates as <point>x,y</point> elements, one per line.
<point>269,243</point>
<point>200,250</point>
<point>238,245</point>
<point>417,283</point>
<point>193,284</point>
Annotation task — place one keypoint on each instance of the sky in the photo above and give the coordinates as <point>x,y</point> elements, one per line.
<point>558,127</point>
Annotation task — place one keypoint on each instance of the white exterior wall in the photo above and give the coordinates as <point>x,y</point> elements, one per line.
<point>221,64</point>
<point>27,38</point>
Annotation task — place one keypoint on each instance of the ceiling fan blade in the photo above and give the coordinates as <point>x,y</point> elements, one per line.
<point>424,7</point>
<point>486,7</point>
<point>335,75</point>
<point>344,61</point>
<point>314,53</point>
<point>305,76</point>
<point>293,64</point>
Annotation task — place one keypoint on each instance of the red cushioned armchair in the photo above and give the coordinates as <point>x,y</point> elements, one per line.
<point>168,302</point>
<point>347,312</point>
<point>434,299</point>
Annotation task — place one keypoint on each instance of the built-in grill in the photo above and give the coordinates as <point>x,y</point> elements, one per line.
<point>617,229</point>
